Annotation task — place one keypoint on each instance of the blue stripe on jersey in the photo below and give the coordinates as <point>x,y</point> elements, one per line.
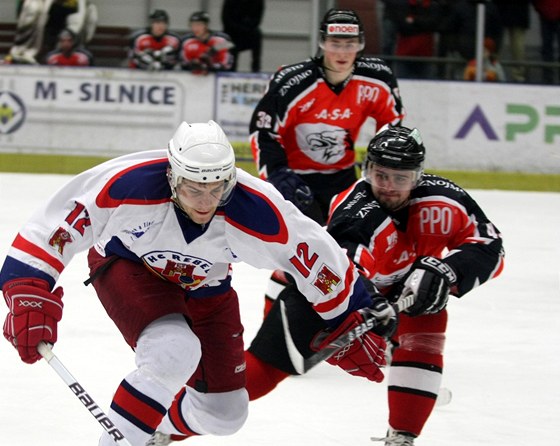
<point>252,212</point>
<point>14,269</point>
<point>144,183</point>
<point>116,247</point>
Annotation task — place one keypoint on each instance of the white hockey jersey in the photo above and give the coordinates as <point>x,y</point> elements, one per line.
<point>123,207</point>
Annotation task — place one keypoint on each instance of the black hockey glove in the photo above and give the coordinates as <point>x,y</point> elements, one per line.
<point>292,187</point>
<point>429,282</point>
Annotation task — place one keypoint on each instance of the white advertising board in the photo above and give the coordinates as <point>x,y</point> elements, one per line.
<point>96,111</point>
<point>487,127</point>
<point>466,126</point>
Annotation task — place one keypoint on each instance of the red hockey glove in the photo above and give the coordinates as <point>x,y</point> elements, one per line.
<point>429,282</point>
<point>363,356</point>
<point>33,317</point>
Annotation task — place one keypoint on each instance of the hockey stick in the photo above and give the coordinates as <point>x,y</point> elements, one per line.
<point>46,352</point>
<point>302,365</point>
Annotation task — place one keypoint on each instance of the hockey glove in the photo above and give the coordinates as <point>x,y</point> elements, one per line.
<point>363,356</point>
<point>33,317</point>
<point>429,282</point>
<point>383,312</point>
<point>292,187</point>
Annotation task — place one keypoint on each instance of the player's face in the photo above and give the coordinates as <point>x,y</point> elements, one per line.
<point>199,29</point>
<point>199,200</point>
<point>65,43</point>
<point>159,27</point>
<point>391,187</point>
<point>340,53</point>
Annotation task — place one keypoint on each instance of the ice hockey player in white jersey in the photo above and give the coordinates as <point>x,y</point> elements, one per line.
<point>162,229</point>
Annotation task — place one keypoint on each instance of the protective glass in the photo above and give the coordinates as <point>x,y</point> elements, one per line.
<point>391,179</point>
<point>191,193</point>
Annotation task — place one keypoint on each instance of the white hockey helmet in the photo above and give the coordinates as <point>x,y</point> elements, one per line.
<point>201,152</point>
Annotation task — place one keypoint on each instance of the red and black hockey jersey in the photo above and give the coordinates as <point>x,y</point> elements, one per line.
<point>149,52</point>
<point>307,124</point>
<point>440,220</point>
<point>210,54</point>
<point>77,58</point>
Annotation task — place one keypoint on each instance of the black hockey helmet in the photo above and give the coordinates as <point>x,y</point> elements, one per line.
<point>341,23</point>
<point>159,15</point>
<point>395,147</point>
<point>200,16</point>
<point>67,33</point>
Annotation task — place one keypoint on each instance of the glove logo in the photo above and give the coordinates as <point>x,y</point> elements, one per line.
<point>30,304</point>
<point>439,266</point>
<point>342,352</point>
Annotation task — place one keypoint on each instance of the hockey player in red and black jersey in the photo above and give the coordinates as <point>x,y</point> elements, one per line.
<point>155,48</point>
<point>204,50</point>
<point>411,234</point>
<point>67,54</point>
<point>304,128</point>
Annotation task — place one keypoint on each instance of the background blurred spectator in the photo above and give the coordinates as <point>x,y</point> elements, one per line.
<point>418,21</point>
<point>549,16</point>
<point>40,22</point>
<point>154,48</point>
<point>67,53</point>
<point>515,20</point>
<point>389,28</point>
<point>241,20</point>
<point>204,50</point>
<point>458,37</point>
<point>492,70</point>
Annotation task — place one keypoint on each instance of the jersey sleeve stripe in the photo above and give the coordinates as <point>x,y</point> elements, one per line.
<point>30,248</point>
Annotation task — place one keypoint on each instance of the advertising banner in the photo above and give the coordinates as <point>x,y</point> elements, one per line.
<point>237,94</point>
<point>486,126</point>
<point>96,111</point>
<point>108,112</point>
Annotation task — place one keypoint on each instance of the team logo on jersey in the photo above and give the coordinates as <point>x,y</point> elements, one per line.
<point>323,143</point>
<point>326,280</point>
<point>185,271</point>
<point>12,112</point>
<point>59,239</point>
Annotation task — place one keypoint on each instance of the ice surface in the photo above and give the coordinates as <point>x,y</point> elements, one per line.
<point>502,359</point>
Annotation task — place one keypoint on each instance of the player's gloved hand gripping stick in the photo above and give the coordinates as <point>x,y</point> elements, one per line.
<point>363,321</point>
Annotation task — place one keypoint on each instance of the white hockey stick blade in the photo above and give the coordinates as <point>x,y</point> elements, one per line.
<point>46,352</point>
<point>444,397</point>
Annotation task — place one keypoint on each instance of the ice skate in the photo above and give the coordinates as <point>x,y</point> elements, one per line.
<point>396,438</point>
<point>159,439</point>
